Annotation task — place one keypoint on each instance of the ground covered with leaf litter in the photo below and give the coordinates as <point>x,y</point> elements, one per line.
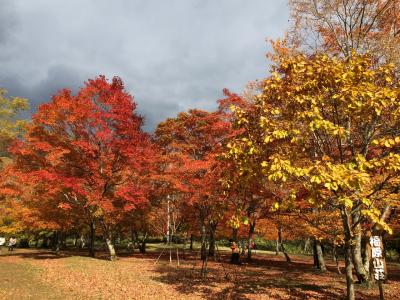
<point>31,274</point>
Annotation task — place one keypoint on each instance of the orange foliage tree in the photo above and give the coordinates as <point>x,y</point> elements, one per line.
<point>191,143</point>
<point>86,157</point>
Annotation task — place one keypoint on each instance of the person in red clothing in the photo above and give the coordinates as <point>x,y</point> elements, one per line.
<point>235,253</point>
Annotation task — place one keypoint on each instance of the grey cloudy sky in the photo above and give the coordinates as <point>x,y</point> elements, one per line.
<point>171,54</point>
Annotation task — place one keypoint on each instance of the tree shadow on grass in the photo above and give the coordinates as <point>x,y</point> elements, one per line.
<point>262,277</point>
<point>265,277</point>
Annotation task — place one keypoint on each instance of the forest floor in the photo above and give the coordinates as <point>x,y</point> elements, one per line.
<point>39,274</point>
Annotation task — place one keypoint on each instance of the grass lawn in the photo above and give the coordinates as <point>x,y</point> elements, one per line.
<point>37,274</point>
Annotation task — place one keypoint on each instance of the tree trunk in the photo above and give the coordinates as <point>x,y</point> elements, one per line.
<point>335,257</point>
<point>82,241</point>
<point>59,241</point>
<point>349,273</point>
<point>142,247</point>
<point>348,254</point>
<point>108,240</point>
<point>242,247</point>
<point>203,241</point>
<point>205,257</point>
<point>281,243</point>
<point>184,248</point>
<point>55,241</point>
<point>52,241</point>
<point>356,251</point>
<point>367,254</point>
<point>168,222</point>
<point>250,239</point>
<point>92,234</point>
<point>76,240</point>
<point>211,247</point>
<point>191,242</point>
<point>235,235</point>
<point>315,257</point>
<point>204,267</point>
<point>319,255</point>
<point>134,240</point>
<point>306,245</point>
<point>111,249</point>
<point>62,243</point>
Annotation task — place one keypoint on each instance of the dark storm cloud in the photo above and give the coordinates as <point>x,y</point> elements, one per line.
<point>58,77</point>
<point>8,21</point>
<point>172,55</point>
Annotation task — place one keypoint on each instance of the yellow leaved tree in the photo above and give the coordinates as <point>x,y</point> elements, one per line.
<point>10,128</point>
<point>330,127</point>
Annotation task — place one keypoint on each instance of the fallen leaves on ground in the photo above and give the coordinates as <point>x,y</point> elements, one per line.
<point>70,276</point>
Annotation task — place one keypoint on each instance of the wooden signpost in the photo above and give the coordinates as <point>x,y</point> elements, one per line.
<point>378,262</point>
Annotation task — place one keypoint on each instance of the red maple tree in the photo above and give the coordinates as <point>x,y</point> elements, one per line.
<point>87,155</point>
